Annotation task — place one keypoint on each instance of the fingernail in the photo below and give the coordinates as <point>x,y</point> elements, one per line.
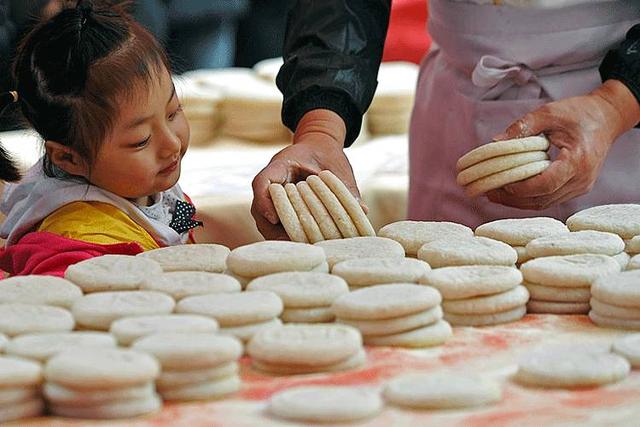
<point>271,218</point>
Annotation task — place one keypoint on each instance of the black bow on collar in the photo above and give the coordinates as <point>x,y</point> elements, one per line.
<point>183,217</point>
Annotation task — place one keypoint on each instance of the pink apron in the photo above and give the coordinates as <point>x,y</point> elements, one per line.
<point>490,65</point>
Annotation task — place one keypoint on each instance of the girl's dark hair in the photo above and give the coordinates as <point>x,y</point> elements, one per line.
<point>72,71</point>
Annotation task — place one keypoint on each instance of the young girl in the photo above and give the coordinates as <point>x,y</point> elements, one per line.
<point>97,87</point>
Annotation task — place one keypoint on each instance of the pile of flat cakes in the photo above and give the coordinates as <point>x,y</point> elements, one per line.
<point>390,110</point>
<point>615,301</point>
<point>497,164</point>
<point>250,106</point>
<point>320,208</point>
<point>201,106</point>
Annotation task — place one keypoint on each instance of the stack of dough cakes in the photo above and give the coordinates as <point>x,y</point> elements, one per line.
<point>561,284</point>
<point>480,295</point>
<point>306,348</point>
<point>390,110</point>
<point>519,232</point>
<point>320,208</point>
<point>254,260</point>
<point>201,107</point>
<point>615,301</point>
<point>497,164</point>
<point>101,383</point>
<point>20,381</point>
<point>307,296</point>
<point>398,314</point>
<point>195,365</point>
<point>620,219</point>
<point>250,106</point>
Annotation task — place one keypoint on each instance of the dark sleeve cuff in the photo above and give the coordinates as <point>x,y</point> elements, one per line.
<point>321,98</point>
<point>623,63</point>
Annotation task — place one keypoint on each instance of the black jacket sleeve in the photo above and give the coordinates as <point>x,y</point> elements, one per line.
<point>623,63</point>
<point>332,53</point>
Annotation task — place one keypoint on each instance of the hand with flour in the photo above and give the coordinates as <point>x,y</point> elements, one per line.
<point>583,128</point>
<point>317,145</point>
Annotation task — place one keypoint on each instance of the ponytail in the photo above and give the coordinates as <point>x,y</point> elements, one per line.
<point>8,169</point>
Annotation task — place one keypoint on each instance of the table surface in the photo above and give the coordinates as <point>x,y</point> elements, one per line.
<point>490,351</point>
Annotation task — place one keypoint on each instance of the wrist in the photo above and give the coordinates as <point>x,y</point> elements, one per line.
<point>324,123</point>
<point>623,105</point>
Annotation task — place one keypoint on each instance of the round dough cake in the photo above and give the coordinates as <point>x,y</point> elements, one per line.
<point>288,216</point>
<point>332,404</point>
<point>234,309</point>
<point>112,273</point>
<point>467,251</point>
<point>378,271</point>
<point>193,350</point>
<point>498,164</point>
<point>101,368</point>
<point>503,178</point>
<point>360,247</point>
<point>99,310</point>
<point>490,304</point>
<point>520,231</point>
<point>195,257</point>
<point>571,271</point>
<point>18,319</point>
<point>205,390</point>
<point>629,348</point>
<point>502,148</point>
<point>349,203</point>
<point>618,289</point>
<point>441,391</point>
<point>174,378</point>
<point>413,234</point>
<point>262,258</point>
<point>472,280</point>
<point>129,329</point>
<point>111,410</point>
<point>425,336</point>
<point>613,322</point>
<point>558,294</point>
<point>612,310</point>
<point>46,290</point>
<point>353,362</point>
<point>305,344</point>
<point>396,324</point>
<point>17,372</point>
<point>571,369</point>
<point>577,242</point>
<point>302,289</point>
<point>634,263</point>
<point>181,284</point>
<point>43,346</point>
<point>386,301</point>
<point>622,219</point>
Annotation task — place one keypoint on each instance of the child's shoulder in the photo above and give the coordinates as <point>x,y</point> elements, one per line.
<point>96,222</point>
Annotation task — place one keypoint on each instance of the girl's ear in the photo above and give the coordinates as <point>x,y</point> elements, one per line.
<point>66,159</point>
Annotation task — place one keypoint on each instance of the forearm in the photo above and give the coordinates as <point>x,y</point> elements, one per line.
<point>332,54</point>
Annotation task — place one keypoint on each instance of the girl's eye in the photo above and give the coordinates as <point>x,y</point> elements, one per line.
<point>142,143</point>
<point>173,115</point>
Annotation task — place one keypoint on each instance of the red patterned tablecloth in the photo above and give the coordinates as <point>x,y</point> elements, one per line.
<point>491,351</point>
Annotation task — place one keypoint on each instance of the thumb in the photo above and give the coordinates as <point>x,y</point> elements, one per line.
<point>528,125</point>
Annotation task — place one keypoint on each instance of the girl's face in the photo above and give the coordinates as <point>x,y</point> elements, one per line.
<point>142,155</point>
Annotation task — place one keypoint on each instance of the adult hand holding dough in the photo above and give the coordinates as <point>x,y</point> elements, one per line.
<point>317,145</point>
<point>584,129</point>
